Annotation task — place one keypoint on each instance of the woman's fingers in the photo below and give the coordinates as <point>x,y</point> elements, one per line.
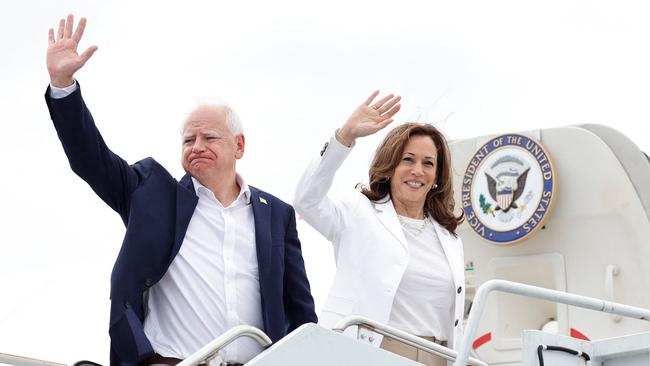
<point>378,115</point>
<point>387,106</point>
<point>382,101</point>
<point>381,125</point>
<point>392,112</point>
<point>371,97</point>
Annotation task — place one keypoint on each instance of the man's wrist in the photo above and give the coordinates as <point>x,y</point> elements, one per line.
<point>62,82</point>
<point>58,93</point>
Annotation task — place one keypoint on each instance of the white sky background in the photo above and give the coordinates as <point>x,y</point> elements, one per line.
<point>294,70</point>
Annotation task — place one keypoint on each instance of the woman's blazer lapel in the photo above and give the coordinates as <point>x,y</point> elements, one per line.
<point>452,248</point>
<point>386,214</point>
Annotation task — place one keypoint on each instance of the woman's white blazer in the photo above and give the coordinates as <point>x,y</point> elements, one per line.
<point>369,246</point>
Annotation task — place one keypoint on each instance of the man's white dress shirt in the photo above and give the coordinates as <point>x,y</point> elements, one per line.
<point>213,283</point>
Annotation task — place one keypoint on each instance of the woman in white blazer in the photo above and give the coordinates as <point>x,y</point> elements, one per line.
<point>399,260</point>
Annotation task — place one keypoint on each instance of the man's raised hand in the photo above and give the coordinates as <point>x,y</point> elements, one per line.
<point>62,57</point>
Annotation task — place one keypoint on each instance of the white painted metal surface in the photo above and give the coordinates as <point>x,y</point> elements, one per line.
<point>631,350</point>
<point>314,345</point>
<point>404,337</point>
<point>595,243</point>
<point>6,359</point>
<point>533,338</point>
<point>208,352</point>
<point>538,293</point>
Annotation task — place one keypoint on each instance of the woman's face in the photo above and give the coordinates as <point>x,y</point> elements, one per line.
<point>415,174</point>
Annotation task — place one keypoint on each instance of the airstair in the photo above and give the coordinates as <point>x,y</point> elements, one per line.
<point>349,343</point>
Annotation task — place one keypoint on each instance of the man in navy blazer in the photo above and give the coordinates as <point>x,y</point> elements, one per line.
<point>157,211</point>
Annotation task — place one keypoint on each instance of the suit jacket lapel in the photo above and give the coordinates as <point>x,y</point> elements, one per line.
<point>388,217</point>
<point>262,218</point>
<point>186,201</point>
<point>450,247</point>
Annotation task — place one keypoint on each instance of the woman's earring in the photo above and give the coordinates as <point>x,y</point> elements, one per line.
<point>434,186</point>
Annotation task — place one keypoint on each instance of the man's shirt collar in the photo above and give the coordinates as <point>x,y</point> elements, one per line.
<point>244,190</point>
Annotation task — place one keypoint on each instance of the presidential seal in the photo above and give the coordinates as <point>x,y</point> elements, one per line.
<point>508,189</point>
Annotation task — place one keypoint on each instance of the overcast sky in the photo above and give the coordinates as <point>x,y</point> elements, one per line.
<point>294,70</point>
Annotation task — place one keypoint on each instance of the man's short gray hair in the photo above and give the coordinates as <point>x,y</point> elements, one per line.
<point>232,118</point>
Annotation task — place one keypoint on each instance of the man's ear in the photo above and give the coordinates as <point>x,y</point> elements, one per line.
<point>240,141</point>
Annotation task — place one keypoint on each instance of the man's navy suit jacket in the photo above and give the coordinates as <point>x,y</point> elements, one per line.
<point>156,210</point>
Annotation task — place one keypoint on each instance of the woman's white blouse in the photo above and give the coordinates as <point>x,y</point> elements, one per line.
<point>424,302</point>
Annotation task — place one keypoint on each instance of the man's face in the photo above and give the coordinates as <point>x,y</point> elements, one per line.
<point>210,150</point>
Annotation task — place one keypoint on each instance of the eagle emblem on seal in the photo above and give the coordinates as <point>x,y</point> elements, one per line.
<point>506,182</point>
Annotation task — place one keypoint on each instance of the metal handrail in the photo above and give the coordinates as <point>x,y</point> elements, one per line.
<point>539,293</point>
<point>210,350</point>
<point>25,361</point>
<point>401,336</point>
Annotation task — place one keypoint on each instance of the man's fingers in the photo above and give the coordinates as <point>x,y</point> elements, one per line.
<point>68,26</point>
<point>88,53</point>
<point>382,101</point>
<point>80,30</point>
<point>59,33</point>
<point>371,97</point>
<point>389,105</point>
<point>50,36</point>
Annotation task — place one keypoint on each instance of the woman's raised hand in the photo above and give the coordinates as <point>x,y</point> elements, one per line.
<point>369,118</point>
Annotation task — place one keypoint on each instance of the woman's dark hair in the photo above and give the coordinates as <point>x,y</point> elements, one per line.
<point>439,202</point>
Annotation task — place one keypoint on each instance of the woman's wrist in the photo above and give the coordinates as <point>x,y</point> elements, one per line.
<point>343,137</point>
